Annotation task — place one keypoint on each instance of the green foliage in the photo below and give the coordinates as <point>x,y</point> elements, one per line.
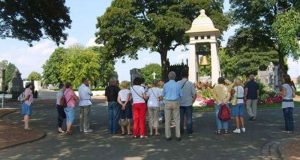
<point>30,20</point>
<point>52,67</point>
<point>73,64</point>
<point>245,63</point>
<point>287,28</point>
<point>9,70</point>
<point>267,24</point>
<point>148,70</point>
<point>129,25</point>
<point>34,76</point>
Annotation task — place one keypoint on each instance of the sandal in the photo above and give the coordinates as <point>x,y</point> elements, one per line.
<point>68,133</point>
<point>157,134</point>
<point>28,129</point>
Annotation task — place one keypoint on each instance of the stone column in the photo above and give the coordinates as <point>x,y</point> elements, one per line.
<point>215,63</point>
<point>193,64</point>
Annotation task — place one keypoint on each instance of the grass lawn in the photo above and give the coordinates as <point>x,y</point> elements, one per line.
<point>260,106</point>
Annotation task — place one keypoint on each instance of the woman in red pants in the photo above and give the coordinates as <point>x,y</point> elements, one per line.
<point>139,108</point>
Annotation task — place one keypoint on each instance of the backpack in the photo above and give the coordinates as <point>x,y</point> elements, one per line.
<point>224,113</point>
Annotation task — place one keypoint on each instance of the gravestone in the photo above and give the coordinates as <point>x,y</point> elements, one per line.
<point>16,85</point>
<point>135,73</point>
<point>269,77</point>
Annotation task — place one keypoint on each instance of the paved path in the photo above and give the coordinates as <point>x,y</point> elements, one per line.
<point>204,144</point>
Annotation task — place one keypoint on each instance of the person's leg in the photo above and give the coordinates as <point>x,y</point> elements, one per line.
<point>249,107</point>
<point>60,118</point>
<point>189,117</point>
<point>110,117</point>
<point>88,122</point>
<point>285,115</point>
<point>176,117</point>
<point>182,113</point>
<point>155,120</point>
<point>254,108</point>
<point>218,121</point>
<point>26,121</point>
<point>70,118</point>
<point>135,120</point>
<point>151,120</point>
<point>241,116</point>
<point>142,120</point>
<point>116,115</point>
<point>290,119</point>
<point>167,120</point>
<point>81,118</point>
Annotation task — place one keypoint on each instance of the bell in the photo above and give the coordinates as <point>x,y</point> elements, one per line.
<point>203,61</point>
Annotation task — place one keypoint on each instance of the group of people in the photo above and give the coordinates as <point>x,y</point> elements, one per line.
<point>129,104</point>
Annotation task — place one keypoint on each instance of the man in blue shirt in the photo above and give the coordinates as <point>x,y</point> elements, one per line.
<point>171,94</point>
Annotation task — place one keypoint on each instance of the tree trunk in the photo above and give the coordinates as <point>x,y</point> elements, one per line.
<point>164,65</point>
<point>281,68</point>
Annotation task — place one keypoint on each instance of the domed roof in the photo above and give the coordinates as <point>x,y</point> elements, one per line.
<point>202,24</point>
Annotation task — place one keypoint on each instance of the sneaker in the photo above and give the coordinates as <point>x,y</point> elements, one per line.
<point>237,131</point>
<point>244,130</point>
<point>88,131</point>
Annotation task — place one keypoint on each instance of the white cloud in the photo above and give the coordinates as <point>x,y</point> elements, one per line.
<point>91,42</point>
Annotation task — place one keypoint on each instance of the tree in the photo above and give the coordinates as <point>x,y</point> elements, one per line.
<point>267,22</point>
<point>128,26</point>
<point>80,63</point>
<point>34,76</point>
<point>148,70</point>
<point>9,70</point>
<point>245,63</point>
<point>52,67</point>
<point>298,80</point>
<point>31,20</point>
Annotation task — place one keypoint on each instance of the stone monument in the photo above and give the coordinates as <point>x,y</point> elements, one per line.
<point>16,85</point>
<point>135,73</point>
<point>203,31</point>
<point>269,77</point>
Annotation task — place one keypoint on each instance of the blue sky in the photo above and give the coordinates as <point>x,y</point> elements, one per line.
<point>83,15</point>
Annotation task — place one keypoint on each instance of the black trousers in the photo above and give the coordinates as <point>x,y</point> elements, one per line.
<point>61,115</point>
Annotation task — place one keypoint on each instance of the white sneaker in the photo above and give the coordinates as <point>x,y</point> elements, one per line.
<point>88,131</point>
<point>244,130</point>
<point>237,131</point>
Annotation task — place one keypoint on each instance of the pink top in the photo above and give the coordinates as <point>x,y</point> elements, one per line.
<point>28,92</point>
<point>70,97</point>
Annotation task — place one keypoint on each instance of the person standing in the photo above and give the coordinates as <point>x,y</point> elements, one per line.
<point>139,108</point>
<point>111,93</point>
<point>85,105</point>
<point>26,105</point>
<point>171,94</point>
<point>251,96</point>
<point>71,100</point>
<point>186,103</point>
<point>60,108</point>
<point>238,106</point>
<point>288,93</point>
<point>222,96</point>
<point>154,94</point>
<point>124,100</point>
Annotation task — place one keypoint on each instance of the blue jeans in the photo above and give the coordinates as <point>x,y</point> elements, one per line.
<point>70,115</point>
<point>113,117</point>
<point>288,118</point>
<point>220,124</point>
<point>186,113</point>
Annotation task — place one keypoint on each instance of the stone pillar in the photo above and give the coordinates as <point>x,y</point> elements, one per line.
<point>215,63</point>
<point>193,64</point>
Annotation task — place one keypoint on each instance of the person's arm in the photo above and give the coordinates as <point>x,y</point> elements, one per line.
<point>282,91</point>
<point>245,94</point>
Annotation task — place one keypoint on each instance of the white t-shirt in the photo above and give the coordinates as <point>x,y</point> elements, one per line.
<point>239,94</point>
<point>123,94</point>
<point>154,94</point>
<point>137,94</point>
<point>59,95</point>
